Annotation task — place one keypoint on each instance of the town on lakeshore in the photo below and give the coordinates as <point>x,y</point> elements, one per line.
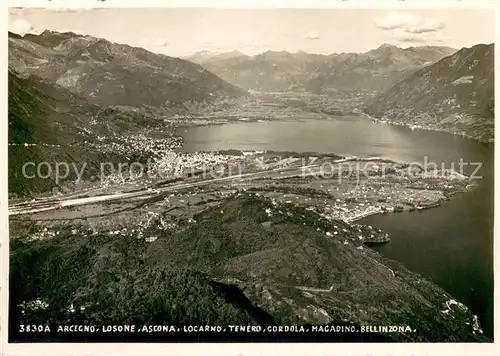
<point>329,181</point>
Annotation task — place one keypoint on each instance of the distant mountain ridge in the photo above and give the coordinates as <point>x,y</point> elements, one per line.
<point>455,94</point>
<point>207,56</point>
<point>374,70</point>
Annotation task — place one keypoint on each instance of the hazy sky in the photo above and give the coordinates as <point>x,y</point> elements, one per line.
<point>179,32</point>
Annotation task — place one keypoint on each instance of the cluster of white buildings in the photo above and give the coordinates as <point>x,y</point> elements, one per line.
<point>177,164</point>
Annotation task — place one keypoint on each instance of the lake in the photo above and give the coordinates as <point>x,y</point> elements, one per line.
<point>451,245</point>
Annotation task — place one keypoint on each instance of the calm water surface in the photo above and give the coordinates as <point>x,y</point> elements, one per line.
<point>452,245</point>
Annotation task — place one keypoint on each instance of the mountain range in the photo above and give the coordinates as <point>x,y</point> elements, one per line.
<point>430,87</point>
<point>356,72</point>
<point>108,73</point>
<point>455,94</point>
<point>67,88</point>
<point>202,57</point>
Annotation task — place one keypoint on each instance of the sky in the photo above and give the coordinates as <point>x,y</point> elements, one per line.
<point>181,32</point>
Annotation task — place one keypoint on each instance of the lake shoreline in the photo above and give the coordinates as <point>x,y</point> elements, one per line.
<point>423,128</point>
<point>404,145</point>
